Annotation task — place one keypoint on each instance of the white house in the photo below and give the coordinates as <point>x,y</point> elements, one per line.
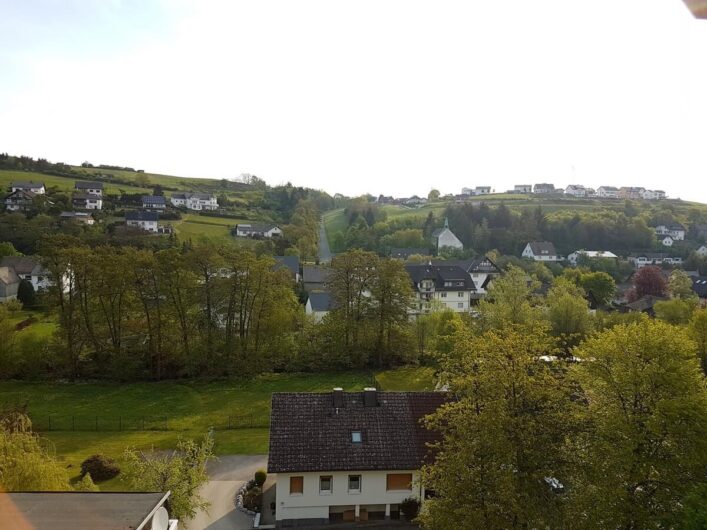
<point>482,190</point>
<point>481,270</point>
<point>87,201</point>
<point>415,200</point>
<point>19,201</point>
<point>608,192</point>
<point>30,269</point>
<point>80,217</point>
<point>445,238</point>
<point>194,201</point>
<point>523,188</point>
<point>154,202</point>
<point>467,191</point>
<point>573,258</point>
<point>666,241</point>
<point>541,251</point>
<point>631,192</point>
<point>34,187</point>
<point>93,188</point>
<point>318,305</point>
<point>653,258</point>
<point>258,230</point>
<point>576,190</point>
<point>674,230</point>
<point>702,251</point>
<point>653,195</point>
<point>449,286</point>
<point>544,188</point>
<point>347,456</point>
<point>141,219</point>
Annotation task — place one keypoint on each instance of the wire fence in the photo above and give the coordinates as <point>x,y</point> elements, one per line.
<point>102,423</point>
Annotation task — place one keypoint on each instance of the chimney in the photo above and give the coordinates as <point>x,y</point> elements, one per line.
<point>370,397</point>
<point>338,398</point>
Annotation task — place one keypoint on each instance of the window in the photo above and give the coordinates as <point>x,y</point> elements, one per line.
<point>354,483</point>
<point>325,485</point>
<point>443,295</point>
<point>296,485</point>
<point>460,294</point>
<point>356,437</point>
<point>398,481</point>
<point>460,305</point>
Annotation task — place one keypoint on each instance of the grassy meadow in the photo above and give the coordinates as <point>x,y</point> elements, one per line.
<point>62,183</point>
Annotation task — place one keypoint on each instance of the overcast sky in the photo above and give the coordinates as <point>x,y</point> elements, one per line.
<point>361,96</point>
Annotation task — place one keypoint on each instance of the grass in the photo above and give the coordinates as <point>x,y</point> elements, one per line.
<point>174,410</point>
<point>206,228</point>
<point>62,183</point>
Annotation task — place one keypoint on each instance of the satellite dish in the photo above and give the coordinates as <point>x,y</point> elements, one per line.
<point>160,521</point>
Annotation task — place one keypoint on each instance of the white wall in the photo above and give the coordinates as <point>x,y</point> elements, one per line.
<point>448,239</point>
<point>313,505</point>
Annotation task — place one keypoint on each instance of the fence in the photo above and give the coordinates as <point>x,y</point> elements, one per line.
<point>99,423</point>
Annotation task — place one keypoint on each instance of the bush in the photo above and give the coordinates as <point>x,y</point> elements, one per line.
<point>252,499</point>
<point>100,468</point>
<point>410,507</point>
<point>260,477</point>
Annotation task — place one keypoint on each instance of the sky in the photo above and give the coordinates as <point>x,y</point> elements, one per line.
<point>366,96</point>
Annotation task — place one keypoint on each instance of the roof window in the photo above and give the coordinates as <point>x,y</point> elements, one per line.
<point>356,437</point>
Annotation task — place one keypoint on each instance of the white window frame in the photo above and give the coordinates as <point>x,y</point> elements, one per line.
<point>360,487</point>
<point>331,485</point>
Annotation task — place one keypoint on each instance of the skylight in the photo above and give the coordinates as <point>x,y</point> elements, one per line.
<point>356,437</point>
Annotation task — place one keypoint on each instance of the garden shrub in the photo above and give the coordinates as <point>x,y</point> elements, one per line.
<point>100,468</point>
<point>260,477</point>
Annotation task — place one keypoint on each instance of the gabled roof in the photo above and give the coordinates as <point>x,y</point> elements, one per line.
<point>141,215</point>
<point>440,274</point>
<point>8,276</point>
<point>85,185</point>
<point>22,264</point>
<point>288,262</point>
<point>21,195</point>
<point>315,274</point>
<point>74,215</point>
<point>153,199</point>
<point>86,197</point>
<point>543,248</point>
<point>321,301</point>
<point>26,184</point>
<point>699,285</point>
<point>251,228</point>
<point>71,510</point>
<point>308,434</point>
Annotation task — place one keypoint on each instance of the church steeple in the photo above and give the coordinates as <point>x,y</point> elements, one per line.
<point>446,222</point>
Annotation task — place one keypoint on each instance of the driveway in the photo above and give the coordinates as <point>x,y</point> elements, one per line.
<point>227,473</point>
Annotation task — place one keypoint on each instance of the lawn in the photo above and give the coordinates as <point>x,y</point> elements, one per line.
<point>205,228</point>
<point>62,183</point>
<point>82,419</point>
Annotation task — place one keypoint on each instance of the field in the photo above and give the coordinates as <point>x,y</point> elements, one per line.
<point>205,228</point>
<point>61,183</point>
<point>87,418</point>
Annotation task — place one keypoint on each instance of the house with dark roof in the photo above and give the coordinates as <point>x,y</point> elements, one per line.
<point>266,230</point>
<point>315,277</point>
<point>319,304</point>
<point>699,285</point>
<point>541,251</point>
<point>79,217</point>
<point>34,187</point>
<point>154,202</point>
<point>348,456</point>
<point>72,510</point>
<point>19,201</point>
<point>144,220</point>
<point>194,201</point>
<point>444,238</point>
<point>94,188</point>
<point>290,264</point>
<point>30,269</point>
<point>482,271</point>
<point>87,201</point>
<point>448,286</point>
<point>674,230</point>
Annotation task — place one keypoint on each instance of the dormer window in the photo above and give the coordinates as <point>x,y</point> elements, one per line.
<point>356,437</point>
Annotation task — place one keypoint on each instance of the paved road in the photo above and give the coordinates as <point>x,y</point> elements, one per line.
<point>227,474</point>
<point>324,252</point>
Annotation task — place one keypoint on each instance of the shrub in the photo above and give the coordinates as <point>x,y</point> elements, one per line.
<point>252,499</point>
<point>410,507</point>
<point>260,477</point>
<point>100,468</point>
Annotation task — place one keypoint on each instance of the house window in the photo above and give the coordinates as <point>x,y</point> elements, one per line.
<point>398,482</point>
<point>460,305</point>
<point>460,294</point>
<point>296,485</point>
<point>443,295</point>
<point>356,437</point>
<point>354,483</point>
<point>325,483</point>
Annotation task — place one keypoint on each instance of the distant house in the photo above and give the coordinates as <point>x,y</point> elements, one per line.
<point>405,253</point>
<point>348,457</point>
<point>666,241</point>
<point>318,305</point>
<point>445,238</point>
<point>482,190</point>
<point>93,188</point>
<point>30,269</point>
<point>467,191</point>
<point>87,201</point>
<point>653,195</point>
<point>576,190</point>
<point>80,217</point>
<point>523,188</point>
<point>194,201</point>
<point>674,230</point>
<point>702,251</point>
<point>631,192</point>
<point>699,285</point>
<point>258,230</point>
<point>574,257</point>
<point>71,510</point>
<point>448,285</point>
<point>9,283</point>
<point>144,220</point>
<point>34,187</point>
<point>641,260</point>
<point>608,192</point>
<point>315,277</point>
<point>154,202</point>
<point>290,264</point>
<point>544,188</point>
<point>19,201</point>
<point>541,251</point>
<point>415,200</point>
<point>481,270</point>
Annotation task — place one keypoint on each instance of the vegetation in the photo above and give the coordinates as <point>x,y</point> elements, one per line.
<point>99,468</point>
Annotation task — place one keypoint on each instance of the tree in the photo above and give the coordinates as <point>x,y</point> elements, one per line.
<point>675,311</point>
<point>183,472</point>
<point>7,249</point>
<point>494,459</point>
<point>568,312</point>
<point>680,285</point>
<point>645,447</point>
<point>26,295</point>
<point>142,180</point>
<point>649,281</point>
<point>698,331</point>
<point>509,301</point>
<point>433,194</point>
<point>600,284</point>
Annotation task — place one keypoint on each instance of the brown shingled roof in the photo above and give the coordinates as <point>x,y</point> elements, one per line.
<point>308,434</point>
